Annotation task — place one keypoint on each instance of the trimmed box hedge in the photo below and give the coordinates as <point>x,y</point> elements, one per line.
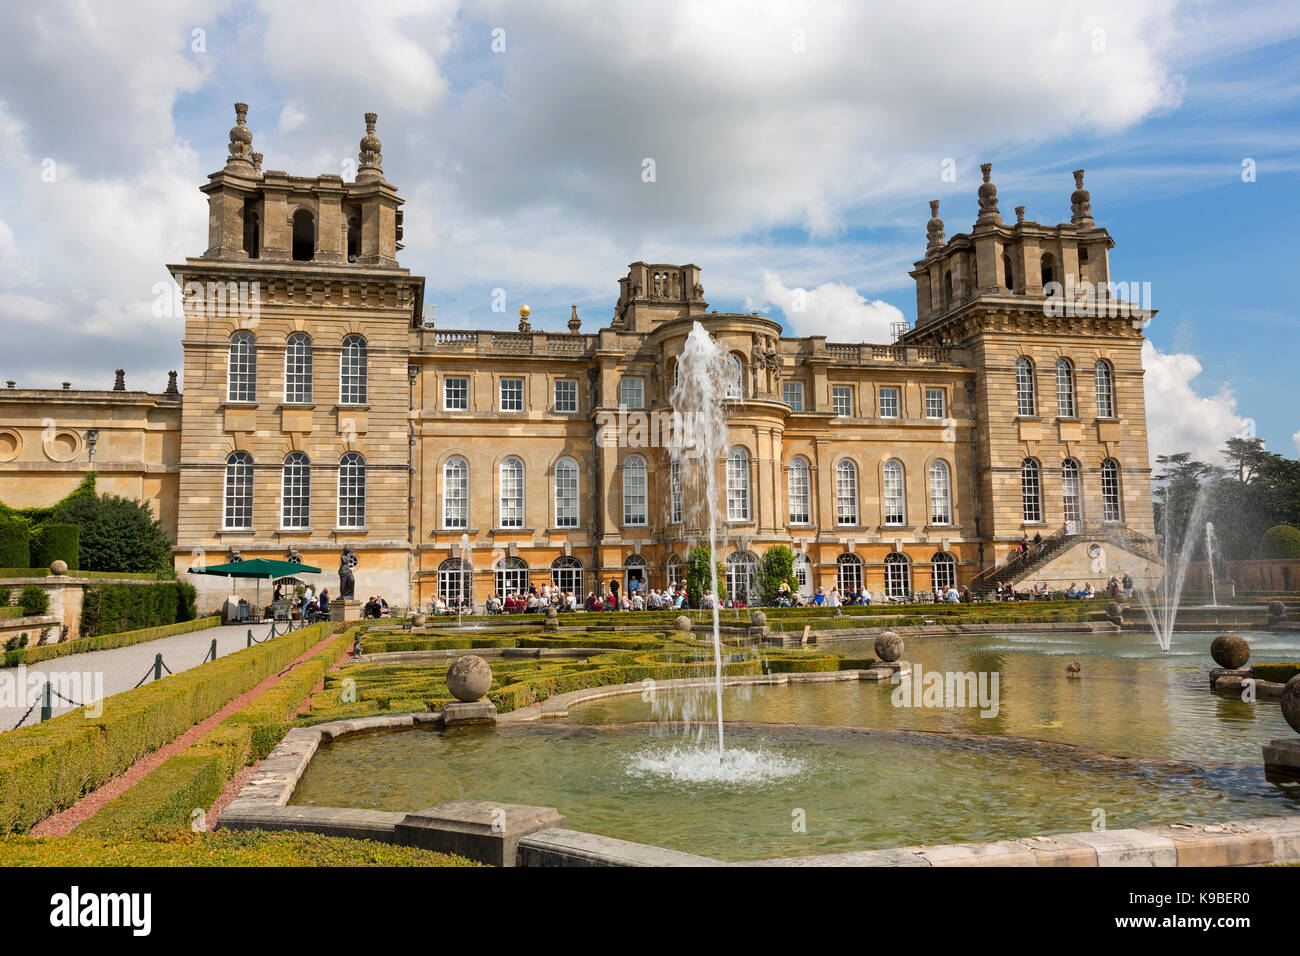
<point>111,608</point>
<point>1277,672</point>
<point>105,642</point>
<point>48,766</point>
<point>56,542</point>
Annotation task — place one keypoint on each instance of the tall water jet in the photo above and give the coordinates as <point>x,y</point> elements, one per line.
<point>698,442</point>
<point>1209,557</point>
<point>464,563</point>
<point>1161,607</point>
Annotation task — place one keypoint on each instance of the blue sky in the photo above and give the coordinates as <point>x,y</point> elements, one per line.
<point>795,146</point>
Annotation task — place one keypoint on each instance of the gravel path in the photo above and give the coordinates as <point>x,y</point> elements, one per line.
<point>85,677</point>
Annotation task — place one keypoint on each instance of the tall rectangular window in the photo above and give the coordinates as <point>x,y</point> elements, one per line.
<point>842,400</point>
<point>793,394</point>
<point>512,395</point>
<point>566,395</point>
<point>675,492</point>
<point>934,403</point>
<point>889,403</point>
<point>631,392</point>
<point>455,394</point>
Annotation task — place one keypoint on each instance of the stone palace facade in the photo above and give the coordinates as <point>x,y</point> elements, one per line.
<point>321,409</point>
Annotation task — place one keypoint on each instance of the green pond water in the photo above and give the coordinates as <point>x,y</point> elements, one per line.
<point>1137,740</point>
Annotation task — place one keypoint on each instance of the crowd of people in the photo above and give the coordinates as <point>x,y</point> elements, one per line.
<point>1119,586</point>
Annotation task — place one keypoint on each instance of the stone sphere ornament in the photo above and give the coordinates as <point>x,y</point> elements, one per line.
<point>889,647</point>
<point>683,623</point>
<point>1276,612</point>
<point>1291,703</point>
<point>59,567</point>
<point>1230,651</point>
<point>469,678</point>
<point>758,618</point>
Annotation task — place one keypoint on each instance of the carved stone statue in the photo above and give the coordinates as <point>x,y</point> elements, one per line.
<point>347,583</point>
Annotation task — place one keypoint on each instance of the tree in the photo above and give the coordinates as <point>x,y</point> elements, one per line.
<point>776,566</point>
<point>1281,541</point>
<point>117,534</point>
<point>698,579</point>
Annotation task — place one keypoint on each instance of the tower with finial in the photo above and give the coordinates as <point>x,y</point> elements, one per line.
<point>934,229</point>
<point>575,323</point>
<point>372,160</point>
<point>1080,202</point>
<point>241,140</point>
<point>988,198</point>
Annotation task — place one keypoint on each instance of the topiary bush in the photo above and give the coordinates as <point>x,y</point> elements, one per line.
<point>698,579</point>
<point>56,542</point>
<point>15,547</point>
<point>110,608</point>
<point>1280,541</point>
<point>117,534</point>
<point>33,600</point>
<point>776,566</point>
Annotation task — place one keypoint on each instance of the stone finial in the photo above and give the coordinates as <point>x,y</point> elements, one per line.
<point>241,139</point>
<point>67,386</point>
<point>575,323</point>
<point>988,197</point>
<point>171,384</point>
<point>119,382</point>
<point>257,162</point>
<point>524,324</point>
<point>1020,215</point>
<point>934,229</point>
<point>11,383</point>
<point>371,157</point>
<point>1080,202</point>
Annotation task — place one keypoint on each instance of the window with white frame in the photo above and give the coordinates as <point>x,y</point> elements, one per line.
<point>297,370</point>
<point>353,369</point>
<point>1103,376</point>
<point>793,395</point>
<point>798,488</point>
<point>352,491</point>
<point>735,379</point>
<point>241,368</point>
<point>1110,500</point>
<point>1026,398</point>
<point>1064,388</point>
<point>898,575</point>
<point>456,581</point>
<point>635,491</point>
<point>889,403</point>
<point>1071,491</point>
<point>1031,492</point>
<point>295,491</point>
<point>848,573</point>
<point>846,492</point>
<point>934,403</point>
<point>566,395</point>
<point>741,568</point>
<point>239,491</point>
<point>675,492</point>
<point>842,400</point>
<point>455,493</point>
<point>511,577</point>
<point>512,395</point>
<point>566,574</point>
<point>892,476</point>
<point>566,493</point>
<point>943,571</point>
<point>940,493</point>
<point>511,480</point>
<point>673,570</point>
<point>738,484</point>
<point>631,392</point>
<point>455,393</point>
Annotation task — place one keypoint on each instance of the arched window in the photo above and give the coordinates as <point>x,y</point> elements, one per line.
<point>803,574</point>
<point>1026,399</point>
<point>241,368</point>
<point>252,231</point>
<point>566,493</point>
<point>1071,493</point>
<point>511,479</point>
<point>940,493</point>
<point>673,570</point>
<point>455,493</point>
<point>1048,268</point>
<point>295,491</point>
<point>735,379</point>
<point>1031,491</point>
<point>353,371</point>
<point>898,575</point>
<point>566,574</point>
<point>354,238</point>
<point>304,236</point>
<point>239,491</point>
<point>947,289</point>
<point>635,491</point>
<point>895,512</point>
<point>511,577</point>
<point>1103,375</point>
<point>848,573</point>
<point>456,581</point>
<point>1110,500</point>
<point>1064,388</point>
<point>741,569</point>
<point>297,369</point>
<point>846,492</point>
<point>675,492</point>
<point>798,490</point>
<point>738,484</point>
<point>352,491</point>
<point>1007,279</point>
<point>943,571</point>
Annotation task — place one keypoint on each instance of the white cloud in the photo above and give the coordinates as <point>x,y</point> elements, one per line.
<point>291,118</point>
<point>833,309</point>
<point>1296,440</point>
<point>1179,418</point>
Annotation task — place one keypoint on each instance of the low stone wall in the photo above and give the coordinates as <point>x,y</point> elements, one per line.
<point>1275,576</point>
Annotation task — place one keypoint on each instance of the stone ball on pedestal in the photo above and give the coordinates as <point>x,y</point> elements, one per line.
<point>1291,703</point>
<point>758,618</point>
<point>889,647</point>
<point>683,623</point>
<point>1276,611</point>
<point>469,678</point>
<point>1230,651</point>
<point>59,567</point>
<point>418,620</point>
<point>1113,610</point>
